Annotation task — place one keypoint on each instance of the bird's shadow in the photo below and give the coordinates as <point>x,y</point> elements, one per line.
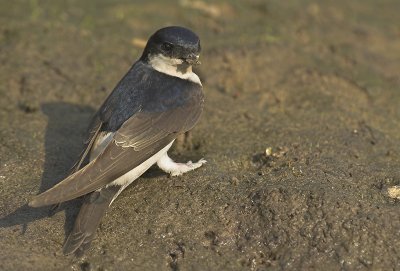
<point>64,137</point>
<point>65,132</point>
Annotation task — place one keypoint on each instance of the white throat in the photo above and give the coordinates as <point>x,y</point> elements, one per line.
<point>169,66</point>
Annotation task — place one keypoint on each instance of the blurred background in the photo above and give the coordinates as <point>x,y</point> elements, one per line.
<point>301,132</point>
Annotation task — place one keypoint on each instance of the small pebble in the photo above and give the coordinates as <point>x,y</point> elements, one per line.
<point>394,192</point>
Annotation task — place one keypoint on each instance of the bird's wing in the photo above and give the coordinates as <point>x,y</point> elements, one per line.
<point>93,133</point>
<point>138,132</point>
<point>138,139</point>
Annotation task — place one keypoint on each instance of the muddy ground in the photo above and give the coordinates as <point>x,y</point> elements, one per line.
<point>314,82</point>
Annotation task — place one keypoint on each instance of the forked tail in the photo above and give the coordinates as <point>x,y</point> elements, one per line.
<point>88,219</point>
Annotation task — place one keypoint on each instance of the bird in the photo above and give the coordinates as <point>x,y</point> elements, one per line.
<point>159,98</point>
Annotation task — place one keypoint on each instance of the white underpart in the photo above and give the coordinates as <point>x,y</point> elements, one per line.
<point>175,169</point>
<point>162,159</point>
<point>135,173</point>
<point>139,170</point>
<point>169,66</point>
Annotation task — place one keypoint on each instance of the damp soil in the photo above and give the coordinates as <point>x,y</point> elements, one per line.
<point>301,132</point>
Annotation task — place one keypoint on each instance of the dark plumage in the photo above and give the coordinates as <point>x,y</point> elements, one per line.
<point>149,91</point>
<point>173,41</point>
<point>142,116</point>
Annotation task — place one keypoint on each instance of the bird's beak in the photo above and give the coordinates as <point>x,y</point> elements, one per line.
<point>193,59</point>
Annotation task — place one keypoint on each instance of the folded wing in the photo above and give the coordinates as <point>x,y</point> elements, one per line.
<point>139,138</point>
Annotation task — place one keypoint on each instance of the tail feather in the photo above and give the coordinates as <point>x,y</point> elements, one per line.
<point>88,219</point>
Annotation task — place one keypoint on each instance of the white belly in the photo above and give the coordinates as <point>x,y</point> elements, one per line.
<point>135,173</point>
<point>101,143</point>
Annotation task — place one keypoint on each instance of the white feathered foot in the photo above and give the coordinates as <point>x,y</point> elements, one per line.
<point>175,169</point>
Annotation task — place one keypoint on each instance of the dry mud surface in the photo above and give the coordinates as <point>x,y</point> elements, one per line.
<point>314,82</point>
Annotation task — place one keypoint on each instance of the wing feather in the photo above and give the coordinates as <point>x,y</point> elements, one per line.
<point>94,130</point>
<point>139,138</point>
<point>154,126</point>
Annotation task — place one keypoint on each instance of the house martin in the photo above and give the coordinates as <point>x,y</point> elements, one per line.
<point>159,98</point>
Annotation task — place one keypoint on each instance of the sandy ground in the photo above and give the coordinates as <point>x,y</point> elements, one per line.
<point>314,82</point>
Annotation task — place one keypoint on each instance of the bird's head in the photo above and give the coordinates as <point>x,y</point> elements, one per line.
<point>173,47</point>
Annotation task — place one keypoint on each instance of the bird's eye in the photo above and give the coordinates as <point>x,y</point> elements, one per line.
<point>167,46</point>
